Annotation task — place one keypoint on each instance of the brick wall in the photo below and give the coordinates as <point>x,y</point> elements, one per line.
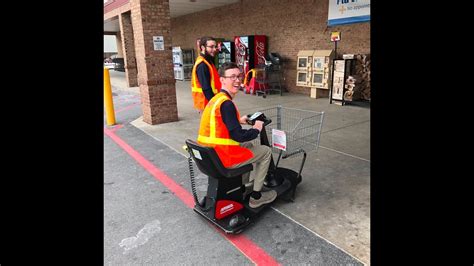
<point>290,26</point>
<point>155,67</point>
<point>128,45</point>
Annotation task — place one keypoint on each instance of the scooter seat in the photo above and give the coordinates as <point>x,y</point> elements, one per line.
<point>209,163</point>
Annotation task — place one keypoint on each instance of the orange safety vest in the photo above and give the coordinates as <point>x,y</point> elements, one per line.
<point>199,98</point>
<point>214,133</point>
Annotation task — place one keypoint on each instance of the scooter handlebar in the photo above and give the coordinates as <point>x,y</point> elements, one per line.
<point>258,116</point>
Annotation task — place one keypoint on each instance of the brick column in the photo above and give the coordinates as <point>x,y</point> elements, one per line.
<point>155,68</point>
<point>128,45</point>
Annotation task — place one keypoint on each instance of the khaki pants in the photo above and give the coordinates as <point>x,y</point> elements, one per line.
<point>260,161</point>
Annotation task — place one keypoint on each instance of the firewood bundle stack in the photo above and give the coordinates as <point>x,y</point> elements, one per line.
<point>362,76</point>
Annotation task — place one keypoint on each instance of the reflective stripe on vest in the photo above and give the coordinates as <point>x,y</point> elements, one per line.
<point>218,141</point>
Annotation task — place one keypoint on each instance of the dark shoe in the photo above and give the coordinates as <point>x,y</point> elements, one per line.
<point>267,197</point>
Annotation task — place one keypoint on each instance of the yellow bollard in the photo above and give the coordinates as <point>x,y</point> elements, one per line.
<point>109,103</point>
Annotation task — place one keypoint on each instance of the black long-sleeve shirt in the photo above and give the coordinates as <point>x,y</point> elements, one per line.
<point>204,77</point>
<point>229,116</point>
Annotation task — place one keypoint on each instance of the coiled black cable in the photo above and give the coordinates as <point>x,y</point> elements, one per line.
<point>193,183</point>
<point>201,203</point>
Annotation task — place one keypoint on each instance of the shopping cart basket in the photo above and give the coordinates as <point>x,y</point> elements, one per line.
<point>302,129</point>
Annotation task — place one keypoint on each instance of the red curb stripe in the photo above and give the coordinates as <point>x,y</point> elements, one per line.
<point>251,250</point>
<point>179,191</point>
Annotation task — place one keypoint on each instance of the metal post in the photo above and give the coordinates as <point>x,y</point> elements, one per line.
<point>109,104</point>
<point>279,117</point>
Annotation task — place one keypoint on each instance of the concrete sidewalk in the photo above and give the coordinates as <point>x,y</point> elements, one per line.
<point>333,200</point>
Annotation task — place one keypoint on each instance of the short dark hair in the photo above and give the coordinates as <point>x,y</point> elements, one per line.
<point>226,66</point>
<point>203,41</point>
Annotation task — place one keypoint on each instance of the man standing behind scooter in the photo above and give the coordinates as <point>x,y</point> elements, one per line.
<point>205,81</point>
<point>221,128</point>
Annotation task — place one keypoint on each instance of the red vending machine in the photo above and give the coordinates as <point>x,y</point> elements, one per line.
<point>250,51</point>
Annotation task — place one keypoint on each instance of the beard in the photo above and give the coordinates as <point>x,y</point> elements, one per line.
<point>209,58</point>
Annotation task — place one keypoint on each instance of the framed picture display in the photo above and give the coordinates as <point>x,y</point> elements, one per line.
<point>302,78</point>
<point>337,90</point>
<point>302,62</point>
<point>341,89</point>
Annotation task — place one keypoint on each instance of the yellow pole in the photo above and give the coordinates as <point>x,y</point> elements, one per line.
<point>109,104</point>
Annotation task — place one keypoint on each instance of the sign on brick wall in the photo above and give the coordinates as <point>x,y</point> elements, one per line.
<point>158,43</point>
<point>348,11</point>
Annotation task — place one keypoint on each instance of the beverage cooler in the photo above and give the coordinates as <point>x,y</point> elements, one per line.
<point>183,61</point>
<point>226,53</point>
<point>188,63</point>
<point>178,63</point>
<point>250,51</point>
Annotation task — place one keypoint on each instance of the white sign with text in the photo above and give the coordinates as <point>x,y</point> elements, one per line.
<point>279,139</point>
<point>348,11</point>
<point>158,43</point>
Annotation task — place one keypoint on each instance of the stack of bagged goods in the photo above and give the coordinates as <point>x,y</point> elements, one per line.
<point>362,76</point>
<point>350,84</point>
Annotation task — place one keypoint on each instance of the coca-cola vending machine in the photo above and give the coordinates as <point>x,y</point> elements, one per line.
<point>250,51</point>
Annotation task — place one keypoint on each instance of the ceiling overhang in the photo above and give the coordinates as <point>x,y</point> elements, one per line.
<point>177,8</point>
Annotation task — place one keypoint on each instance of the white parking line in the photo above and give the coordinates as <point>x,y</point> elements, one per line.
<point>316,234</point>
<point>357,157</point>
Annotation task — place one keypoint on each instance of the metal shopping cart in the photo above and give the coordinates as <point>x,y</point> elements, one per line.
<point>269,76</point>
<point>302,129</point>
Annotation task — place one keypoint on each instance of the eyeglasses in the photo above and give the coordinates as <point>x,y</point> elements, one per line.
<point>234,77</point>
<point>212,47</point>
